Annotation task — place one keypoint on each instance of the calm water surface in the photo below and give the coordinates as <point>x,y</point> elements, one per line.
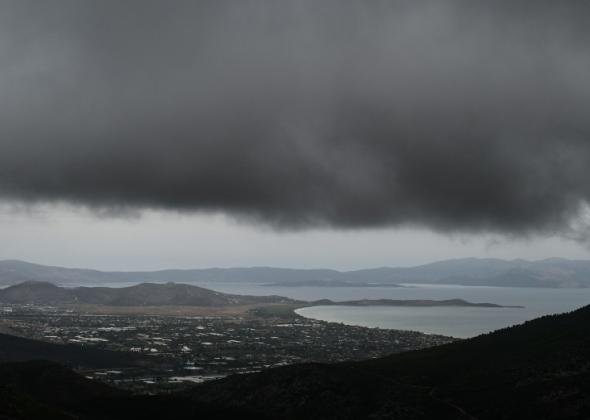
<point>454,321</point>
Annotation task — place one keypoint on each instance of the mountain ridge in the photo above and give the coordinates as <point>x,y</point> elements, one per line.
<point>549,272</point>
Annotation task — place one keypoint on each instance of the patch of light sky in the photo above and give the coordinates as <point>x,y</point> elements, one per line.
<point>65,236</point>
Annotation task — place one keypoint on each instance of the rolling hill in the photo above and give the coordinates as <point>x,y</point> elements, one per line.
<point>144,294</point>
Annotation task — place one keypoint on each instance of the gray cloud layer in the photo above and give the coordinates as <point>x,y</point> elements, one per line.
<point>456,115</point>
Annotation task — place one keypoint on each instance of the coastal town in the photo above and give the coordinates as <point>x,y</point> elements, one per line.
<point>188,349</point>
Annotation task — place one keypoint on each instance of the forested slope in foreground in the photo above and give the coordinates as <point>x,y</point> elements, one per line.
<point>537,370</point>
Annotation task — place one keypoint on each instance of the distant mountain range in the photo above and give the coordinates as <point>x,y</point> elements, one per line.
<point>538,370</point>
<point>173,294</point>
<point>553,272</point>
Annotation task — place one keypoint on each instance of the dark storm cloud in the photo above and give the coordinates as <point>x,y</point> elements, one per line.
<point>456,115</point>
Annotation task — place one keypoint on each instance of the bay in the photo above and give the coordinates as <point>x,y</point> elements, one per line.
<point>460,322</point>
<point>457,321</point>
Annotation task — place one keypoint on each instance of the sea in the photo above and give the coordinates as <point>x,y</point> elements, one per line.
<point>461,322</point>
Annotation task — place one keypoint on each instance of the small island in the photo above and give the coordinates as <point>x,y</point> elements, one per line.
<point>415,303</point>
<point>330,283</point>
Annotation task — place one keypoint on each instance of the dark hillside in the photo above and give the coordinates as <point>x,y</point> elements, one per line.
<point>537,370</point>
<point>18,349</point>
<point>314,391</point>
<point>43,390</point>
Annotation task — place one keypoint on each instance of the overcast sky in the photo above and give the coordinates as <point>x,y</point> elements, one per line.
<point>339,133</point>
<point>61,236</point>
